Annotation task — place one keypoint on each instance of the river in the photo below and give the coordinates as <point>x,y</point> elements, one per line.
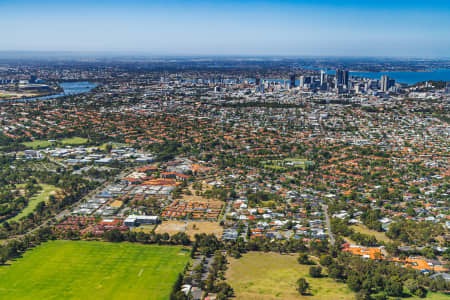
<point>70,88</point>
<point>407,77</point>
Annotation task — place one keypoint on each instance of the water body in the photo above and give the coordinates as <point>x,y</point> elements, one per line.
<point>70,88</point>
<point>405,77</point>
<point>409,78</point>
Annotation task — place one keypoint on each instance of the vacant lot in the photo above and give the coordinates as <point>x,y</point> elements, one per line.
<point>259,275</point>
<point>42,195</point>
<point>171,227</point>
<point>194,198</point>
<point>194,228</point>
<point>144,228</point>
<point>364,230</point>
<point>93,270</point>
<point>190,228</point>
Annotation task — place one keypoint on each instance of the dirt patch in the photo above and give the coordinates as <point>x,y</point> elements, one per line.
<point>171,227</point>
<point>194,228</point>
<point>190,228</point>
<point>117,204</point>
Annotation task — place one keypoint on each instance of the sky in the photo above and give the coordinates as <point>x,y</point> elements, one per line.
<point>403,28</point>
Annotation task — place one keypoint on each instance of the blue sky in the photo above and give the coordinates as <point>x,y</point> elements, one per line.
<point>318,28</point>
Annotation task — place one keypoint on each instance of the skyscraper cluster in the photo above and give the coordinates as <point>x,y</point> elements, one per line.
<point>341,79</point>
<point>341,83</point>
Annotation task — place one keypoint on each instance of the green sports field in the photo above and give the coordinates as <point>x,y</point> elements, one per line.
<point>74,141</point>
<point>39,144</point>
<point>93,270</point>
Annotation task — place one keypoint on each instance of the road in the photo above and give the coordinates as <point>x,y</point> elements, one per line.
<point>327,219</point>
<point>227,209</point>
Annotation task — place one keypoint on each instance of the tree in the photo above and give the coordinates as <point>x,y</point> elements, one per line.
<point>336,271</point>
<point>414,288</point>
<point>40,207</point>
<point>354,282</point>
<point>302,286</point>
<point>394,287</point>
<point>108,148</point>
<point>113,235</point>
<point>225,290</point>
<point>412,285</point>
<point>326,260</point>
<point>365,295</point>
<point>421,292</point>
<point>303,259</point>
<point>315,272</point>
<point>175,294</point>
<point>392,249</point>
<point>3,255</point>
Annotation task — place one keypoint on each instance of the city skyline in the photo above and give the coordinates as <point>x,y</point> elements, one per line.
<point>286,28</point>
<point>204,149</point>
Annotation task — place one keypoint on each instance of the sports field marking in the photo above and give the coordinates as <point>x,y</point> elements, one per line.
<point>92,270</point>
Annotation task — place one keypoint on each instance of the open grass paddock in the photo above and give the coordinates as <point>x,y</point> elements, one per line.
<point>381,236</point>
<point>42,195</point>
<point>263,276</point>
<point>93,270</point>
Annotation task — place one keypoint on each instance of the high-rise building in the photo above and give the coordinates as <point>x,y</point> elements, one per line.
<point>391,83</point>
<point>383,83</point>
<point>33,78</point>
<point>447,88</point>
<point>342,78</point>
<point>302,81</point>
<point>349,85</point>
<point>345,78</point>
<point>293,85</point>
<point>257,81</point>
<point>338,78</point>
<point>323,78</point>
<point>386,83</point>
<point>305,81</point>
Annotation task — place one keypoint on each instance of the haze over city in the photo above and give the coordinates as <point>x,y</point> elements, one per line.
<point>294,28</point>
<point>225,150</point>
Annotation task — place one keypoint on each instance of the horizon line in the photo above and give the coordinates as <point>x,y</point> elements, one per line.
<point>205,55</point>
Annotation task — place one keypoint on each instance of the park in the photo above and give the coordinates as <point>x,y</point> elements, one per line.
<point>93,270</point>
